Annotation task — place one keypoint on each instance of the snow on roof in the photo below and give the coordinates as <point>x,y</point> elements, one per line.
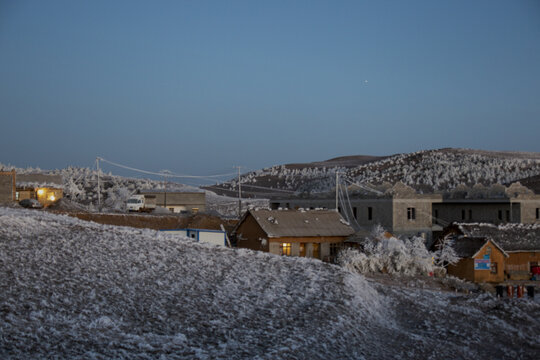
<point>511,237</point>
<point>283,223</point>
<point>39,180</point>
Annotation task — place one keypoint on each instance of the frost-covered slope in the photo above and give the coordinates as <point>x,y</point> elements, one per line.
<point>429,170</point>
<point>72,289</point>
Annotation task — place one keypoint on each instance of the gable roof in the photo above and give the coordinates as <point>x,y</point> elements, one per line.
<point>511,237</point>
<point>468,247</point>
<point>298,223</point>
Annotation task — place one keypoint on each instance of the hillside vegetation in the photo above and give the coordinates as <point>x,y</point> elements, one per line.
<point>430,170</point>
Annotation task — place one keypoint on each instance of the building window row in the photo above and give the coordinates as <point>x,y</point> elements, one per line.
<point>369,213</point>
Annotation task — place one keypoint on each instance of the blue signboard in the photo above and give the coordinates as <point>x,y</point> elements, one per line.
<point>482,264</point>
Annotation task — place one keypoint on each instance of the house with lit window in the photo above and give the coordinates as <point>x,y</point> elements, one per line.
<point>45,188</point>
<point>315,233</point>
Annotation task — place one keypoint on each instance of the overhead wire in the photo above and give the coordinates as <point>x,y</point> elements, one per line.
<point>164,173</point>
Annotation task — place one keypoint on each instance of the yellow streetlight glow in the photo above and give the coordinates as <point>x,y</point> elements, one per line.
<point>40,192</point>
<point>52,198</point>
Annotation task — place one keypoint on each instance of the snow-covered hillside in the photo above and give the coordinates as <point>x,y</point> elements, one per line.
<point>79,290</point>
<point>429,170</point>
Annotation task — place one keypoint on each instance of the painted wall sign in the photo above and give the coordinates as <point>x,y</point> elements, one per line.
<point>482,264</point>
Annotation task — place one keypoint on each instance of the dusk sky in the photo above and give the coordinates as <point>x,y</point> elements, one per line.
<point>197,87</point>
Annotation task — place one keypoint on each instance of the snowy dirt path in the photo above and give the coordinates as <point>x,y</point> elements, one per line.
<point>75,289</point>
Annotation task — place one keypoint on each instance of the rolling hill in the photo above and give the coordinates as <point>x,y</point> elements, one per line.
<point>427,171</point>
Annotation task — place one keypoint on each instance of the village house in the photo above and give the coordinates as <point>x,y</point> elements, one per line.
<point>179,201</point>
<point>216,237</point>
<point>481,260</point>
<point>315,233</point>
<point>45,188</point>
<point>520,241</point>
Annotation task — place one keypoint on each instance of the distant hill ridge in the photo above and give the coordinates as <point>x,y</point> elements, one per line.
<point>427,170</point>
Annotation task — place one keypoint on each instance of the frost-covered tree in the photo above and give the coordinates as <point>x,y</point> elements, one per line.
<point>445,254</point>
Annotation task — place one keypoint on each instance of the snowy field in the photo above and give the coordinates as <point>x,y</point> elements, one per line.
<point>79,290</point>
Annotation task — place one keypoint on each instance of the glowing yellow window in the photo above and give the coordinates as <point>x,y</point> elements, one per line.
<point>286,249</point>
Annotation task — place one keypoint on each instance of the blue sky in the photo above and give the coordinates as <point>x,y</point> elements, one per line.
<point>197,87</point>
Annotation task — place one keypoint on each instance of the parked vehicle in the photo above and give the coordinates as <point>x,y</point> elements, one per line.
<point>30,203</point>
<point>141,203</point>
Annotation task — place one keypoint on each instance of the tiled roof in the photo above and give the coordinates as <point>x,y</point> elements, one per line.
<point>298,223</point>
<point>511,237</point>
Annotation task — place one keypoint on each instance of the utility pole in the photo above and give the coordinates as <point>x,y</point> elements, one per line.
<point>337,189</point>
<point>165,179</point>
<point>98,184</point>
<point>239,194</point>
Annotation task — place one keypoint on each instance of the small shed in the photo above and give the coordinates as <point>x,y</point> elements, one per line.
<point>315,233</point>
<point>216,237</point>
<point>482,260</point>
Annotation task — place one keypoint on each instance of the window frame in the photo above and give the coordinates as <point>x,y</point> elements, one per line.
<point>411,213</point>
<point>285,249</point>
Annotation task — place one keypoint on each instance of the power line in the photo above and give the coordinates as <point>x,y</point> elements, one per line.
<point>169,174</point>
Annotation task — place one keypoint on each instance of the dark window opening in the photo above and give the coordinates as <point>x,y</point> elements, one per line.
<point>370,213</point>
<point>493,267</point>
<point>470,214</point>
<point>334,249</point>
<point>500,215</point>
<point>462,214</point>
<point>411,213</point>
<point>507,215</point>
<point>354,212</point>
<point>436,216</point>
<point>537,213</point>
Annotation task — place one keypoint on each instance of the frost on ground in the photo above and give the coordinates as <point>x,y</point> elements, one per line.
<point>75,289</point>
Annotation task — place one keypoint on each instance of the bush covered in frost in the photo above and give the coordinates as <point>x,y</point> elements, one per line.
<point>385,253</point>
